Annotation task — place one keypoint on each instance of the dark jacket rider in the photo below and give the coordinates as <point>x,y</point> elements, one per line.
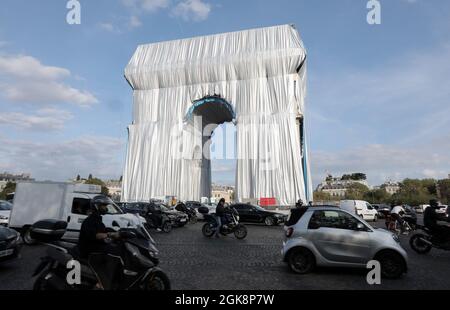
<point>430,220</point>
<point>93,235</point>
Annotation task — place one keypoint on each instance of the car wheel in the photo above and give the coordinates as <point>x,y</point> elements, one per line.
<point>167,227</point>
<point>392,264</point>
<point>269,221</point>
<point>301,261</point>
<point>375,218</point>
<point>418,245</point>
<point>27,237</point>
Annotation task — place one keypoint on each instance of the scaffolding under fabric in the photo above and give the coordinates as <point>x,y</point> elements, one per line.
<point>255,79</point>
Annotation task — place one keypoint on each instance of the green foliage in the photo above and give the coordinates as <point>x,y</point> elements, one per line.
<point>444,189</point>
<point>10,187</point>
<point>354,176</point>
<point>415,192</point>
<point>356,191</point>
<point>377,196</point>
<point>322,196</point>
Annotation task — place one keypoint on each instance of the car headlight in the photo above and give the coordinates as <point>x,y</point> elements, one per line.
<point>396,238</point>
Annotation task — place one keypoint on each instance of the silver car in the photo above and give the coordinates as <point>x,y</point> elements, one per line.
<point>329,236</point>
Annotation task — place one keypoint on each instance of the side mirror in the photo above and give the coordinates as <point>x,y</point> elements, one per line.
<point>360,227</point>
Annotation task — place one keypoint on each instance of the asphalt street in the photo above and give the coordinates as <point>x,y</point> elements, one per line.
<point>195,262</point>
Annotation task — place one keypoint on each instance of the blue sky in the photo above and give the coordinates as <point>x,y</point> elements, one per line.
<point>378,95</point>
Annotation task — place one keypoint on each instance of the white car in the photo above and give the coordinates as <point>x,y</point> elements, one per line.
<point>361,208</point>
<point>331,237</point>
<point>5,212</point>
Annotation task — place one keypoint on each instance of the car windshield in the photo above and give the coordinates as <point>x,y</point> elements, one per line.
<point>259,208</point>
<point>164,208</point>
<point>113,208</point>
<point>5,206</point>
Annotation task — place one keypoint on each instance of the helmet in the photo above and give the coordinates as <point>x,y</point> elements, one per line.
<point>98,201</point>
<point>434,203</point>
<point>299,203</point>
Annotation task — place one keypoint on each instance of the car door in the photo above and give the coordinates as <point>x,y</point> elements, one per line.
<point>337,238</point>
<point>243,212</point>
<point>79,212</point>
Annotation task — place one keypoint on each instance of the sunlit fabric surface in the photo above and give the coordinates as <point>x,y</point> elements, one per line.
<point>260,74</point>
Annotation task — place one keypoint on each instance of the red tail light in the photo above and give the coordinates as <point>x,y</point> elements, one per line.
<point>289,232</point>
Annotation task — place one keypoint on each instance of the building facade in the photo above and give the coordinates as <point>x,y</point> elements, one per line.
<point>9,177</point>
<point>336,187</point>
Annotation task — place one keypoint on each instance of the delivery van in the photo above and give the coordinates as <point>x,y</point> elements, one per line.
<point>361,208</point>
<point>35,201</point>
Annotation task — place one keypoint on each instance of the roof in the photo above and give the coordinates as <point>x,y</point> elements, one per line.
<point>240,55</point>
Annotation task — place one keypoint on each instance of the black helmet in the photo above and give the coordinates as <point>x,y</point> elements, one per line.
<point>434,203</point>
<point>98,201</point>
<point>299,203</point>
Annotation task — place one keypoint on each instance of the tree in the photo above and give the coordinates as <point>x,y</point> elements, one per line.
<point>10,187</point>
<point>95,181</point>
<point>444,189</point>
<point>354,176</point>
<point>322,196</point>
<point>121,178</point>
<point>377,196</point>
<point>356,191</point>
<point>78,177</point>
<point>90,177</point>
<point>415,192</point>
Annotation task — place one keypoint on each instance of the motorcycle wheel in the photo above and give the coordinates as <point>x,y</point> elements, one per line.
<point>240,232</point>
<point>41,283</point>
<point>208,230</point>
<point>167,227</point>
<point>157,281</point>
<point>418,245</point>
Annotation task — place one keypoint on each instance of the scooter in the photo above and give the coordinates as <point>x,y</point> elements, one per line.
<point>136,269</point>
<point>424,241</point>
<point>231,227</point>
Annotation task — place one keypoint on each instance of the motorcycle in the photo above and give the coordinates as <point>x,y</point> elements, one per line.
<point>136,269</point>
<point>424,241</point>
<point>409,223</point>
<point>232,225</point>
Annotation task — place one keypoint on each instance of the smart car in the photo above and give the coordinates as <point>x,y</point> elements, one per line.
<point>329,236</point>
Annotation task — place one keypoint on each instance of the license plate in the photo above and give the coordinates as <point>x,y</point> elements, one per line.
<point>6,253</point>
<point>183,220</point>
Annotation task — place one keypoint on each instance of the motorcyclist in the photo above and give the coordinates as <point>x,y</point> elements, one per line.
<point>220,214</point>
<point>93,235</point>
<point>397,213</point>
<point>430,219</point>
<point>299,204</point>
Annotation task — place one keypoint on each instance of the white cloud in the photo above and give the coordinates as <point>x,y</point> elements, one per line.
<point>43,120</point>
<point>147,5</point>
<point>381,162</point>
<point>135,22</point>
<point>107,26</point>
<point>196,10</point>
<point>100,156</point>
<point>26,79</point>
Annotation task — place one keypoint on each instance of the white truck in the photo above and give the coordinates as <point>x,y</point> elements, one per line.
<point>361,208</point>
<point>35,201</point>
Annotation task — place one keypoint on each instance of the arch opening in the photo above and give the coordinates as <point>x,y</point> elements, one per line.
<point>206,115</point>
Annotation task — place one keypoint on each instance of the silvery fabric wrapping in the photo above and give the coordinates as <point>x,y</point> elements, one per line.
<point>261,73</point>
